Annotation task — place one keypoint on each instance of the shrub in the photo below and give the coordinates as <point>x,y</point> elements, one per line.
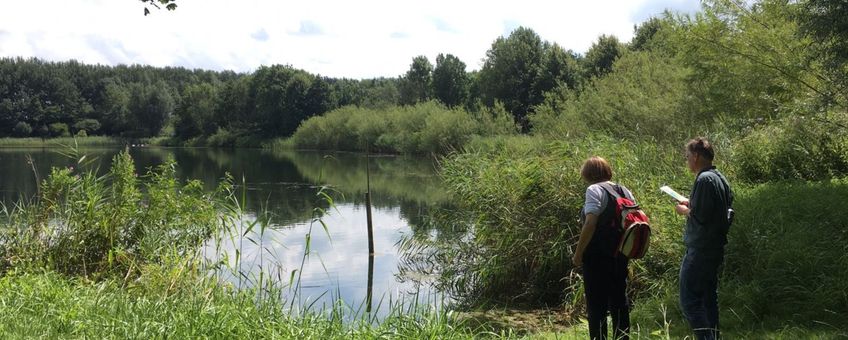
<point>59,130</point>
<point>644,97</point>
<point>22,129</point>
<point>424,127</point>
<point>82,224</point>
<point>794,148</point>
<point>88,124</point>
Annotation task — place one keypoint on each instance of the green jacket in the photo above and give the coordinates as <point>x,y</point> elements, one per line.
<point>709,201</point>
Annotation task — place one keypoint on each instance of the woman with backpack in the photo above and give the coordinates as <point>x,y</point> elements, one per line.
<point>604,269</point>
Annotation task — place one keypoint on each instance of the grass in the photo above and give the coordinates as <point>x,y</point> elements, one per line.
<point>118,257</point>
<point>785,268</point>
<point>61,141</point>
<point>52,306</point>
<point>115,257</point>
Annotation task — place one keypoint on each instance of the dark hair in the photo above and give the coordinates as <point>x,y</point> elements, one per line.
<point>701,146</point>
<point>596,169</point>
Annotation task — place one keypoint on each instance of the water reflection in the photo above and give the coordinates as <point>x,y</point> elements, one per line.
<point>284,185</point>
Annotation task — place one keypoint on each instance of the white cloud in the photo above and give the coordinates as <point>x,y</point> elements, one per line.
<point>337,38</point>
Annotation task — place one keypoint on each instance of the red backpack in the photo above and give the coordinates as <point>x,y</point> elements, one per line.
<point>635,230</point>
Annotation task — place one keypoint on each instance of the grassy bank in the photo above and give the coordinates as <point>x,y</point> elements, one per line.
<point>65,141</point>
<point>52,306</point>
<point>118,256</point>
<point>785,269</point>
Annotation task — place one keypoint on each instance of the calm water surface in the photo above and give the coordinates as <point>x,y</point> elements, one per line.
<point>285,185</point>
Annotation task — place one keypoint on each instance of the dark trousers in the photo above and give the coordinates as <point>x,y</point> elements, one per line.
<point>699,290</point>
<point>605,284</point>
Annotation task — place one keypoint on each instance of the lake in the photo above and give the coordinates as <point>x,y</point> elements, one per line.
<point>284,185</point>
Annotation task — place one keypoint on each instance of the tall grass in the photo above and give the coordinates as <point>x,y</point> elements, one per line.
<point>82,224</point>
<point>423,128</point>
<point>62,141</point>
<point>52,306</point>
<point>785,272</point>
<point>524,200</point>
<point>117,256</point>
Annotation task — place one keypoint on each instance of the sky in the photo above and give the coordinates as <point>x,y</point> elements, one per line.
<point>334,38</point>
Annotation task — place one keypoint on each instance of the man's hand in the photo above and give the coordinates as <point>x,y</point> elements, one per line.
<point>682,208</point>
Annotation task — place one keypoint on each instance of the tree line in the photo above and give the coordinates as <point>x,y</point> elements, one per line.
<point>733,59</point>
<point>51,99</point>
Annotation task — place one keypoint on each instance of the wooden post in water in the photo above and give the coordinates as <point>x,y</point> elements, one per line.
<point>369,294</point>
<point>368,201</point>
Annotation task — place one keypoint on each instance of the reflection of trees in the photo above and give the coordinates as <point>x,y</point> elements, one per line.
<point>282,183</point>
<point>267,183</point>
<point>392,177</point>
<point>410,183</point>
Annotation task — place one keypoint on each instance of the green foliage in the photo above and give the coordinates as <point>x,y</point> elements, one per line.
<point>88,125</point>
<point>512,66</point>
<point>524,201</point>
<point>166,303</point>
<point>601,56</point>
<point>22,129</point>
<point>450,81</point>
<point>795,148</point>
<point>59,130</point>
<point>747,61</point>
<point>62,141</point>
<point>644,97</point>
<point>786,261</point>
<point>422,128</point>
<point>149,107</point>
<point>196,112</point>
<point>282,99</point>
<point>84,225</point>
<point>825,23</point>
<point>416,85</point>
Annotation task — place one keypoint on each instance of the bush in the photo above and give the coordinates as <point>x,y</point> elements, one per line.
<point>222,137</point>
<point>786,259</point>
<point>424,127</point>
<point>22,129</point>
<point>794,148</point>
<point>643,98</point>
<point>59,130</point>
<point>88,124</point>
<point>82,224</point>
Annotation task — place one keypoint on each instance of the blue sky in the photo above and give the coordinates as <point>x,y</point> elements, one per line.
<point>336,38</point>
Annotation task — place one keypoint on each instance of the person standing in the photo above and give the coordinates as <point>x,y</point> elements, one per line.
<point>604,269</point>
<point>708,213</point>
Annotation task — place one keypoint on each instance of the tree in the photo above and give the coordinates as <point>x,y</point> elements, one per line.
<point>282,99</point>
<point>826,23</point>
<point>114,109</point>
<point>196,112</point>
<point>415,85</point>
<point>169,4</point>
<point>88,125</point>
<point>644,33</point>
<point>559,69</point>
<point>450,81</point>
<point>22,129</point>
<point>749,63</point>
<point>150,107</point>
<point>600,57</point>
<point>511,70</point>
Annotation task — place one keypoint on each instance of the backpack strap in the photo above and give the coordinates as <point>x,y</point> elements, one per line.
<point>614,191</point>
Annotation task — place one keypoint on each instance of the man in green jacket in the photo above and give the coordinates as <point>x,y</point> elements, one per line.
<point>708,217</point>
